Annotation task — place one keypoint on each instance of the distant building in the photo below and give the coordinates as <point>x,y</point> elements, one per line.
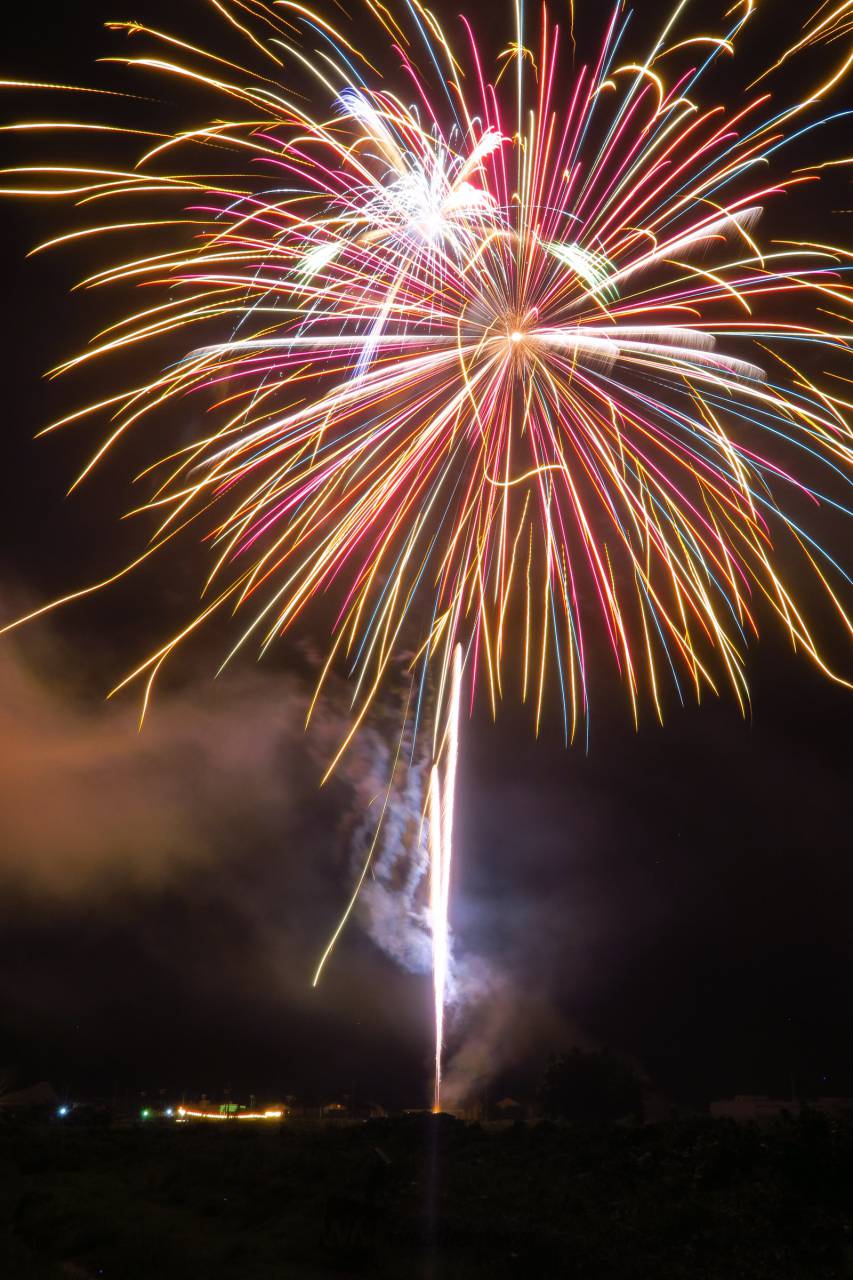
<point>334,1110</point>
<point>757,1106</point>
<point>753,1106</point>
<point>37,1095</point>
<point>352,1109</point>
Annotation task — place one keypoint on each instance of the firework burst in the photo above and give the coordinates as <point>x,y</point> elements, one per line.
<point>491,359</point>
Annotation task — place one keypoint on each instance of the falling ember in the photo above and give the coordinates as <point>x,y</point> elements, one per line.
<point>441,796</point>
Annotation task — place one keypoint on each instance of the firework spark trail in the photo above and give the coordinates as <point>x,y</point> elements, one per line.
<point>442,790</point>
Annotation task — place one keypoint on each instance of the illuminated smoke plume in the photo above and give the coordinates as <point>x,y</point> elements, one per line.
<point>392,902</point>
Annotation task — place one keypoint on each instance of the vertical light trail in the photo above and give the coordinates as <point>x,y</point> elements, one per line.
<point>441,799</point>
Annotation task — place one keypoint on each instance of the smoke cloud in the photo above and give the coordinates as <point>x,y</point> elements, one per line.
<point>91,808</point>
<point>392,904</point>
<point>87,803</point>
<point>496,1023</point>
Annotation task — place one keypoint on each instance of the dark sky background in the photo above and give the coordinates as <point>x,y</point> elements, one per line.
<point>682,894</point>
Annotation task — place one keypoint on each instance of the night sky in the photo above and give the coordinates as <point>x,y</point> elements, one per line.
<point>679,894</point>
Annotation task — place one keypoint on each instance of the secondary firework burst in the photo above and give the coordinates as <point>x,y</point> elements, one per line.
<point>491,359</point>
